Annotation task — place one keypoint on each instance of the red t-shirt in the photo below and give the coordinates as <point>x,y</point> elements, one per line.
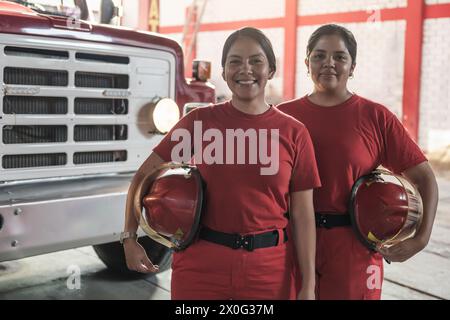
<point>350,140</point>
<point>239,198</point>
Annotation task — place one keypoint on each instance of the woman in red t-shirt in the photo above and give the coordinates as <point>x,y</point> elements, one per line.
<point>248,188</point>
<point>352,136</point>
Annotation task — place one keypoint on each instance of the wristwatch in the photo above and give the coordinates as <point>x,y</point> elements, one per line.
<point>126,235</point>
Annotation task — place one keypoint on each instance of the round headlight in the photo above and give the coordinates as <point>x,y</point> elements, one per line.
<point>165,115</point>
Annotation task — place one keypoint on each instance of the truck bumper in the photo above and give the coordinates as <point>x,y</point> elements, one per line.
<point>44,216</point>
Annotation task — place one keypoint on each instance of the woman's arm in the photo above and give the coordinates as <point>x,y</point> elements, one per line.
<point>135,255</point>
<point>304,230</point>
<point>423,177</point>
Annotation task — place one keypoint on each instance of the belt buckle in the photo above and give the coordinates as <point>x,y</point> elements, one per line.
<point>323,222</point>
<point>248,242</point>
<point>238,240</point>
<point>245,242</point>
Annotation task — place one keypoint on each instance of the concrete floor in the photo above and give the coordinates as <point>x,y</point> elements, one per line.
<point>53,276</point>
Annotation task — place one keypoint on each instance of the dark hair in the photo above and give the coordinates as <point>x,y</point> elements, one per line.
<point>333,29</point>
<point>256,35</point>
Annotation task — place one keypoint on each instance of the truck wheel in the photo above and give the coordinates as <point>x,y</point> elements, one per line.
<point>113,256</point>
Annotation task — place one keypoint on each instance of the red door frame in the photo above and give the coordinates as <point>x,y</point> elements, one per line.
<point>412,66</point>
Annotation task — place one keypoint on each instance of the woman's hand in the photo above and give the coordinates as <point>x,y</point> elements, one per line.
<point>304,232</point>
<point>136,257</point>
<point>306,293</point>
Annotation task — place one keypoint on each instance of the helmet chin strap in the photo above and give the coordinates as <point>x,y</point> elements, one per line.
<point>153,234</point>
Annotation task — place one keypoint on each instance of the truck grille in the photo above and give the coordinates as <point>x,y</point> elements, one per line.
<point>101,106</point>
<point>100,132</point>
<point>101,58</point>
<point>34,105</point>
<point>29,76</point>
<point>36,53</point>
<point>101,80</point>
<point>99,156</point>
<point>33,160</point>
<point>78,107</point>
<point>34,134</point>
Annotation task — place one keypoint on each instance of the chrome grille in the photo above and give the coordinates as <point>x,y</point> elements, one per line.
<point>34,134</point>
<point>101,106</point>
<point>34,105</point>
<point>74,108</point>
<point>99,156</point>
<point>101,58</point>
<point>101,80</point>
<point>29,76</point>
<point>100,132</point>
<point>33,160</point>
<point>36,53</point>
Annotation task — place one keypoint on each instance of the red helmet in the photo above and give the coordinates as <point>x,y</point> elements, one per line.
<point>173,205</point>
<point>385,209</point>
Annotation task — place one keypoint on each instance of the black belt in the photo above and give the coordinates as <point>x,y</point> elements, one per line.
<point>236,241</point>
<point>328,220</point>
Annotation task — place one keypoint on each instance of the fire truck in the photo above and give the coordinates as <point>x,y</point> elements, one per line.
<point>81,107</point>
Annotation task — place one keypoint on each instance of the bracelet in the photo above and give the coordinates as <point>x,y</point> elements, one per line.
<point>127,234</point>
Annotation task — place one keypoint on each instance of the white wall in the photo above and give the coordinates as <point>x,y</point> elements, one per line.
<point>436,1</point>
<point>130,16</point>
<point>231,10</point>
<point>310,7</point>
<point>172,12</point>
<point>434,118</point>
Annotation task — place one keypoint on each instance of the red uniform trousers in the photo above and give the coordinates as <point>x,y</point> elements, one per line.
<point>345,268</point>
<point>209,271</point>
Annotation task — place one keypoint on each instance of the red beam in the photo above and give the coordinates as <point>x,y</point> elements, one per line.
<point>143,14</point>
<point>290,49</point>
<point>232,25</point>
<point>350,17</point>
<point>437,11</point>
<point>412,65</point>
<point>171,29</point>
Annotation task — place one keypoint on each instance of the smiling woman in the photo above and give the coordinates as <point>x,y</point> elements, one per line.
<point>331,61</point>
<point>248,62</point>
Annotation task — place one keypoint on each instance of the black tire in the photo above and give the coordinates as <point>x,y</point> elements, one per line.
<point>113,256</point>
